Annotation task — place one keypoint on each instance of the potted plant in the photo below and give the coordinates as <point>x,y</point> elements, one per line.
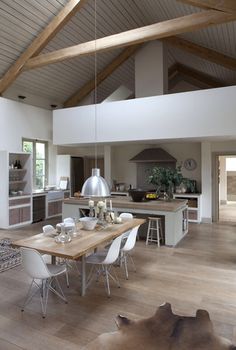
<point>165,179</point>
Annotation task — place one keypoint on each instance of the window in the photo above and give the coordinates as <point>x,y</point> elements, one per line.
<point>40,161</point>
<point>231,164</point>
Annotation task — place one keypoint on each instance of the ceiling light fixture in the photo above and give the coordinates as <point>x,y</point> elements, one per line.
<point>21,97</point>
<point>95,185</point>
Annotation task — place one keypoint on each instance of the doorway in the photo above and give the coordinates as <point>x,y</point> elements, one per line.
<point>227,188</point>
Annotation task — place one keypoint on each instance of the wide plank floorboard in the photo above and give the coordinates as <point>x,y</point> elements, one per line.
<point>199,273</point>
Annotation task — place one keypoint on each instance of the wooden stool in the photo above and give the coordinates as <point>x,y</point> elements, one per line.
<point>154,232</point>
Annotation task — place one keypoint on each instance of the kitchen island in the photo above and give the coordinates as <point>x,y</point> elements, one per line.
<point>174,213</point>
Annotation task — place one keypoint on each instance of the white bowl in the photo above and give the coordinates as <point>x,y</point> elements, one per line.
<point>88,223</point>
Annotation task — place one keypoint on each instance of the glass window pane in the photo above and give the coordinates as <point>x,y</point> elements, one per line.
<point>40,150</point>
<point>28,146</point>
<point>40,167</point>
<point>40,182</point>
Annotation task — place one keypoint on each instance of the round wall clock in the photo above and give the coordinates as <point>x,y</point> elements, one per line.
<point>190,164</point>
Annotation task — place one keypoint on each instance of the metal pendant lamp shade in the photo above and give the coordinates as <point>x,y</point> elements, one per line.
<point>95,185</point>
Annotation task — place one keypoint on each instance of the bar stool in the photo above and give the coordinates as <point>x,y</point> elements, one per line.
<point>154,232</point>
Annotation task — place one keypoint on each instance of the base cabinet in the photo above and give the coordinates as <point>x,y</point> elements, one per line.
<point>54,208</point>
<point>19,215</point>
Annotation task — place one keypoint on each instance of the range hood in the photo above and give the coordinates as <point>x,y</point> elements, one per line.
<point>153,155</point>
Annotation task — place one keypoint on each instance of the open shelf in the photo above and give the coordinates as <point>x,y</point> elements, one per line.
<point>16,192</point>
<point>194,205</point>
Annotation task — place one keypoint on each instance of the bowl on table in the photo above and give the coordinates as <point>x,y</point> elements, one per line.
<point>137,195</point>
<point>88,223</point>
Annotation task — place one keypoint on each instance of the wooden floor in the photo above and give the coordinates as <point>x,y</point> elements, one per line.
<point>199,273</point>
<point>227,212</point>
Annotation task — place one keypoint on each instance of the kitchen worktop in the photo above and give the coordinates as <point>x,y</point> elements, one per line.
<point>126,202</point>
<point>173,213</point>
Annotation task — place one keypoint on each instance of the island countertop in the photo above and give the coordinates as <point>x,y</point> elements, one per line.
<point>173,205</point>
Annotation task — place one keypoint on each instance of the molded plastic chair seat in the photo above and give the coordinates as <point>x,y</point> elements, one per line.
<point>48,229</point>
<point>39,271</point>
<point>56,270</point>
<point>69,223</point>
<point>126,217</point>
<point>127,247</point>
<point>102,262</point>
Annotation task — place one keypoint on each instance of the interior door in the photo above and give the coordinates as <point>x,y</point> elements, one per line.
<point>77,174</point>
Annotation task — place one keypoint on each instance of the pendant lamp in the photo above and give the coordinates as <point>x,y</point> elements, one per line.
<point>95,185</point>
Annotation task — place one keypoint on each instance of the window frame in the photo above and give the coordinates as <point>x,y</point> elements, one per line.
<point>34,142</point>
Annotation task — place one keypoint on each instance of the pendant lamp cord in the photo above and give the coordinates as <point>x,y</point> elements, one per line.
<point>95,80</point>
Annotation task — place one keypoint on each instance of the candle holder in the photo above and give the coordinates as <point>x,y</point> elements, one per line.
<point>101,220</point>
<point>91,212</point>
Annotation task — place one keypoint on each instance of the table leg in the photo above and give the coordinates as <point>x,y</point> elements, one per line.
<point>53,260</point>
<point>83,275</point>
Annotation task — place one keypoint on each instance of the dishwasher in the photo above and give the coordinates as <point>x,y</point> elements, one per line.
<point>39,208</point>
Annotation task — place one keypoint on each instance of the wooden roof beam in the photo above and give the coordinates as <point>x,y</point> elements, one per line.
<point>194,75</point>
<point>135,36</point>
<point>202,52</point>
<point>220,5</point>
<point>109,69</point>
<point>173,71</point>
<point>40,41</point>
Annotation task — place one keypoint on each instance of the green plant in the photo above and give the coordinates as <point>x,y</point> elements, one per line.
<point>165,179</point>
<point>190,185</point>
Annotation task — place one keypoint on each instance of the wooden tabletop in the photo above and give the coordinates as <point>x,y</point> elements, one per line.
<point>126,202</point>
<point>80,245</point>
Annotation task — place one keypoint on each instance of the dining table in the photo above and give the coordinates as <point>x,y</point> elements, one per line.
<point>83,243</point>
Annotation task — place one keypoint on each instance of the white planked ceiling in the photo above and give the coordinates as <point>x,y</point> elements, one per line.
<point>22,20</point>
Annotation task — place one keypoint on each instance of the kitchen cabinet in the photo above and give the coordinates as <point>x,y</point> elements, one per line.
<point>194,205</point>
<point>19,215</point>
<point>54,208</point>
<point>16,189</point>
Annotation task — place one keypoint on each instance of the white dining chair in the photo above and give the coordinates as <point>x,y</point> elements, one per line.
<point>102,262</point>
<point>126,249</point>
<point>47,230</point>
<point>126,217</point>
<point>69,223</point>
<point>43,276</point>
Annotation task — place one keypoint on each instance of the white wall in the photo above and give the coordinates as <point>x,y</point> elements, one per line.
<point>125,171</point>
<point>39,101</point>
<point>198,114</point>
<point>18,121</point>
<point>175,116</point>
<point>151,71</point>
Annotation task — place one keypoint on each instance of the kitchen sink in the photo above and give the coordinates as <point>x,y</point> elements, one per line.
<point>55,194</point>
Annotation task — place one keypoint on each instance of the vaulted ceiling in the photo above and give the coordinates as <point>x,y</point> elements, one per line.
<point>21,21</point>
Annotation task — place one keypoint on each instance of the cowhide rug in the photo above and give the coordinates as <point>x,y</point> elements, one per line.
<point>163,331</point>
